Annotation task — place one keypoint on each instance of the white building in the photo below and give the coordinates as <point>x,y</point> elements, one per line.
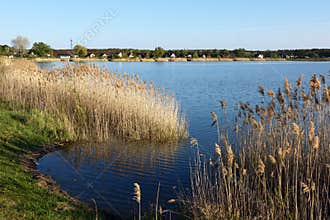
<point>131,55</point>
<point>260,56</point>
<point>91,55</point>
<point>64,56</point>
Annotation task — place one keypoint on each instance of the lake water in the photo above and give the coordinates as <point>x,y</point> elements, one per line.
<point>106,172</point>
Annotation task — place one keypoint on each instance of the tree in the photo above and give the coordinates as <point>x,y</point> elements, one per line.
<point>159,52</point>
<point>41,49</point>
<point>5,50</point>
<point>241,52</point>
<point>20,44</point>
<point>195,55</point>
<point>147,55</point>
<point>225,53</point>
<point>80,50</point>
<point>184,53</point>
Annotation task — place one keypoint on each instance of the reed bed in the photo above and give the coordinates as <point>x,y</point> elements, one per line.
<point>276,165</point>
<point>94,103</point>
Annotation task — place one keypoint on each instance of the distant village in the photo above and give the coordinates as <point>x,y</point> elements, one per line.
<point>194,54</point>
<point>42,50</point>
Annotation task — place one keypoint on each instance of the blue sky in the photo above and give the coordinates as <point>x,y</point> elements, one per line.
<point>251,24</point>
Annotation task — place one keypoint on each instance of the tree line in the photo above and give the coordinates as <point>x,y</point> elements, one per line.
<point>20,46</point>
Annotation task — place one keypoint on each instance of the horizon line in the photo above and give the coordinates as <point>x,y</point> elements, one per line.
<point>132,48</point>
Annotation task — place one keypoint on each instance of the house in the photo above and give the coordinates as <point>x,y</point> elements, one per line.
<point>120,55</point>
<point>104,56</point>
<point>91,55</point>
<point>64,56</point>
<point>189,57</point>
<point>172,57</point>
<point>131,55</point>
<point>260,56</point>
<point>58,53</point>
<point>289,57</point>
<point>204,56</point>
<point>10,56</point>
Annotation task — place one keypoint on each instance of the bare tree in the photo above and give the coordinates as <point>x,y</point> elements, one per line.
<point>20,43</point>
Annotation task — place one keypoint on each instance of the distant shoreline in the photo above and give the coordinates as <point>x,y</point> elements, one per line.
<point>173,60</point>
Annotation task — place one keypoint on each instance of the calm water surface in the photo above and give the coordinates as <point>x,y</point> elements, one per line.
<point>106,172</point>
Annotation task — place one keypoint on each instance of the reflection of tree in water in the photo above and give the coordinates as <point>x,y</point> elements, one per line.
<point>122,157</point>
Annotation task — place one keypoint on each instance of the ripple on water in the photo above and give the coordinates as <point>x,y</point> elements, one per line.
<point>107,171</point>
<point>112,168</point>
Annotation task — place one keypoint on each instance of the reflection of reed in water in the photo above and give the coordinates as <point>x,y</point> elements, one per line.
<point>123,157</point>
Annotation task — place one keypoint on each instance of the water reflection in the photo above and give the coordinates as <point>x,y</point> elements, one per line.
<point>122,156</point>
<point>107,171</point>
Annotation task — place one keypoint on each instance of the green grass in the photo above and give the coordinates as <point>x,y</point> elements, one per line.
<point>20,196</point>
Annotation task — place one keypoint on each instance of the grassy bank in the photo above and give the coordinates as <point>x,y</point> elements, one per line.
<point>276,163</point>
<point>21,195</point>
<point>72,103</point>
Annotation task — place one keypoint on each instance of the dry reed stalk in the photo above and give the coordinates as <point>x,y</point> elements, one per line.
<point>137,197</point>
<point>281,170</point>
<point>94,103</point>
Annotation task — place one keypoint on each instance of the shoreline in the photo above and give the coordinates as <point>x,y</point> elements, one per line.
<point>26,192</point>
<point>45,60</point>
<point>29,163</point>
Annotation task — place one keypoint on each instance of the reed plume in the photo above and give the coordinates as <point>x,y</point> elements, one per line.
<point>282,166</point>
<point>94,103</point>
<point>137,197</point>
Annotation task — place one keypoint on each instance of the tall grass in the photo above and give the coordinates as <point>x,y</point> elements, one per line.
<point>95,103</point>
<point>281,169</point>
